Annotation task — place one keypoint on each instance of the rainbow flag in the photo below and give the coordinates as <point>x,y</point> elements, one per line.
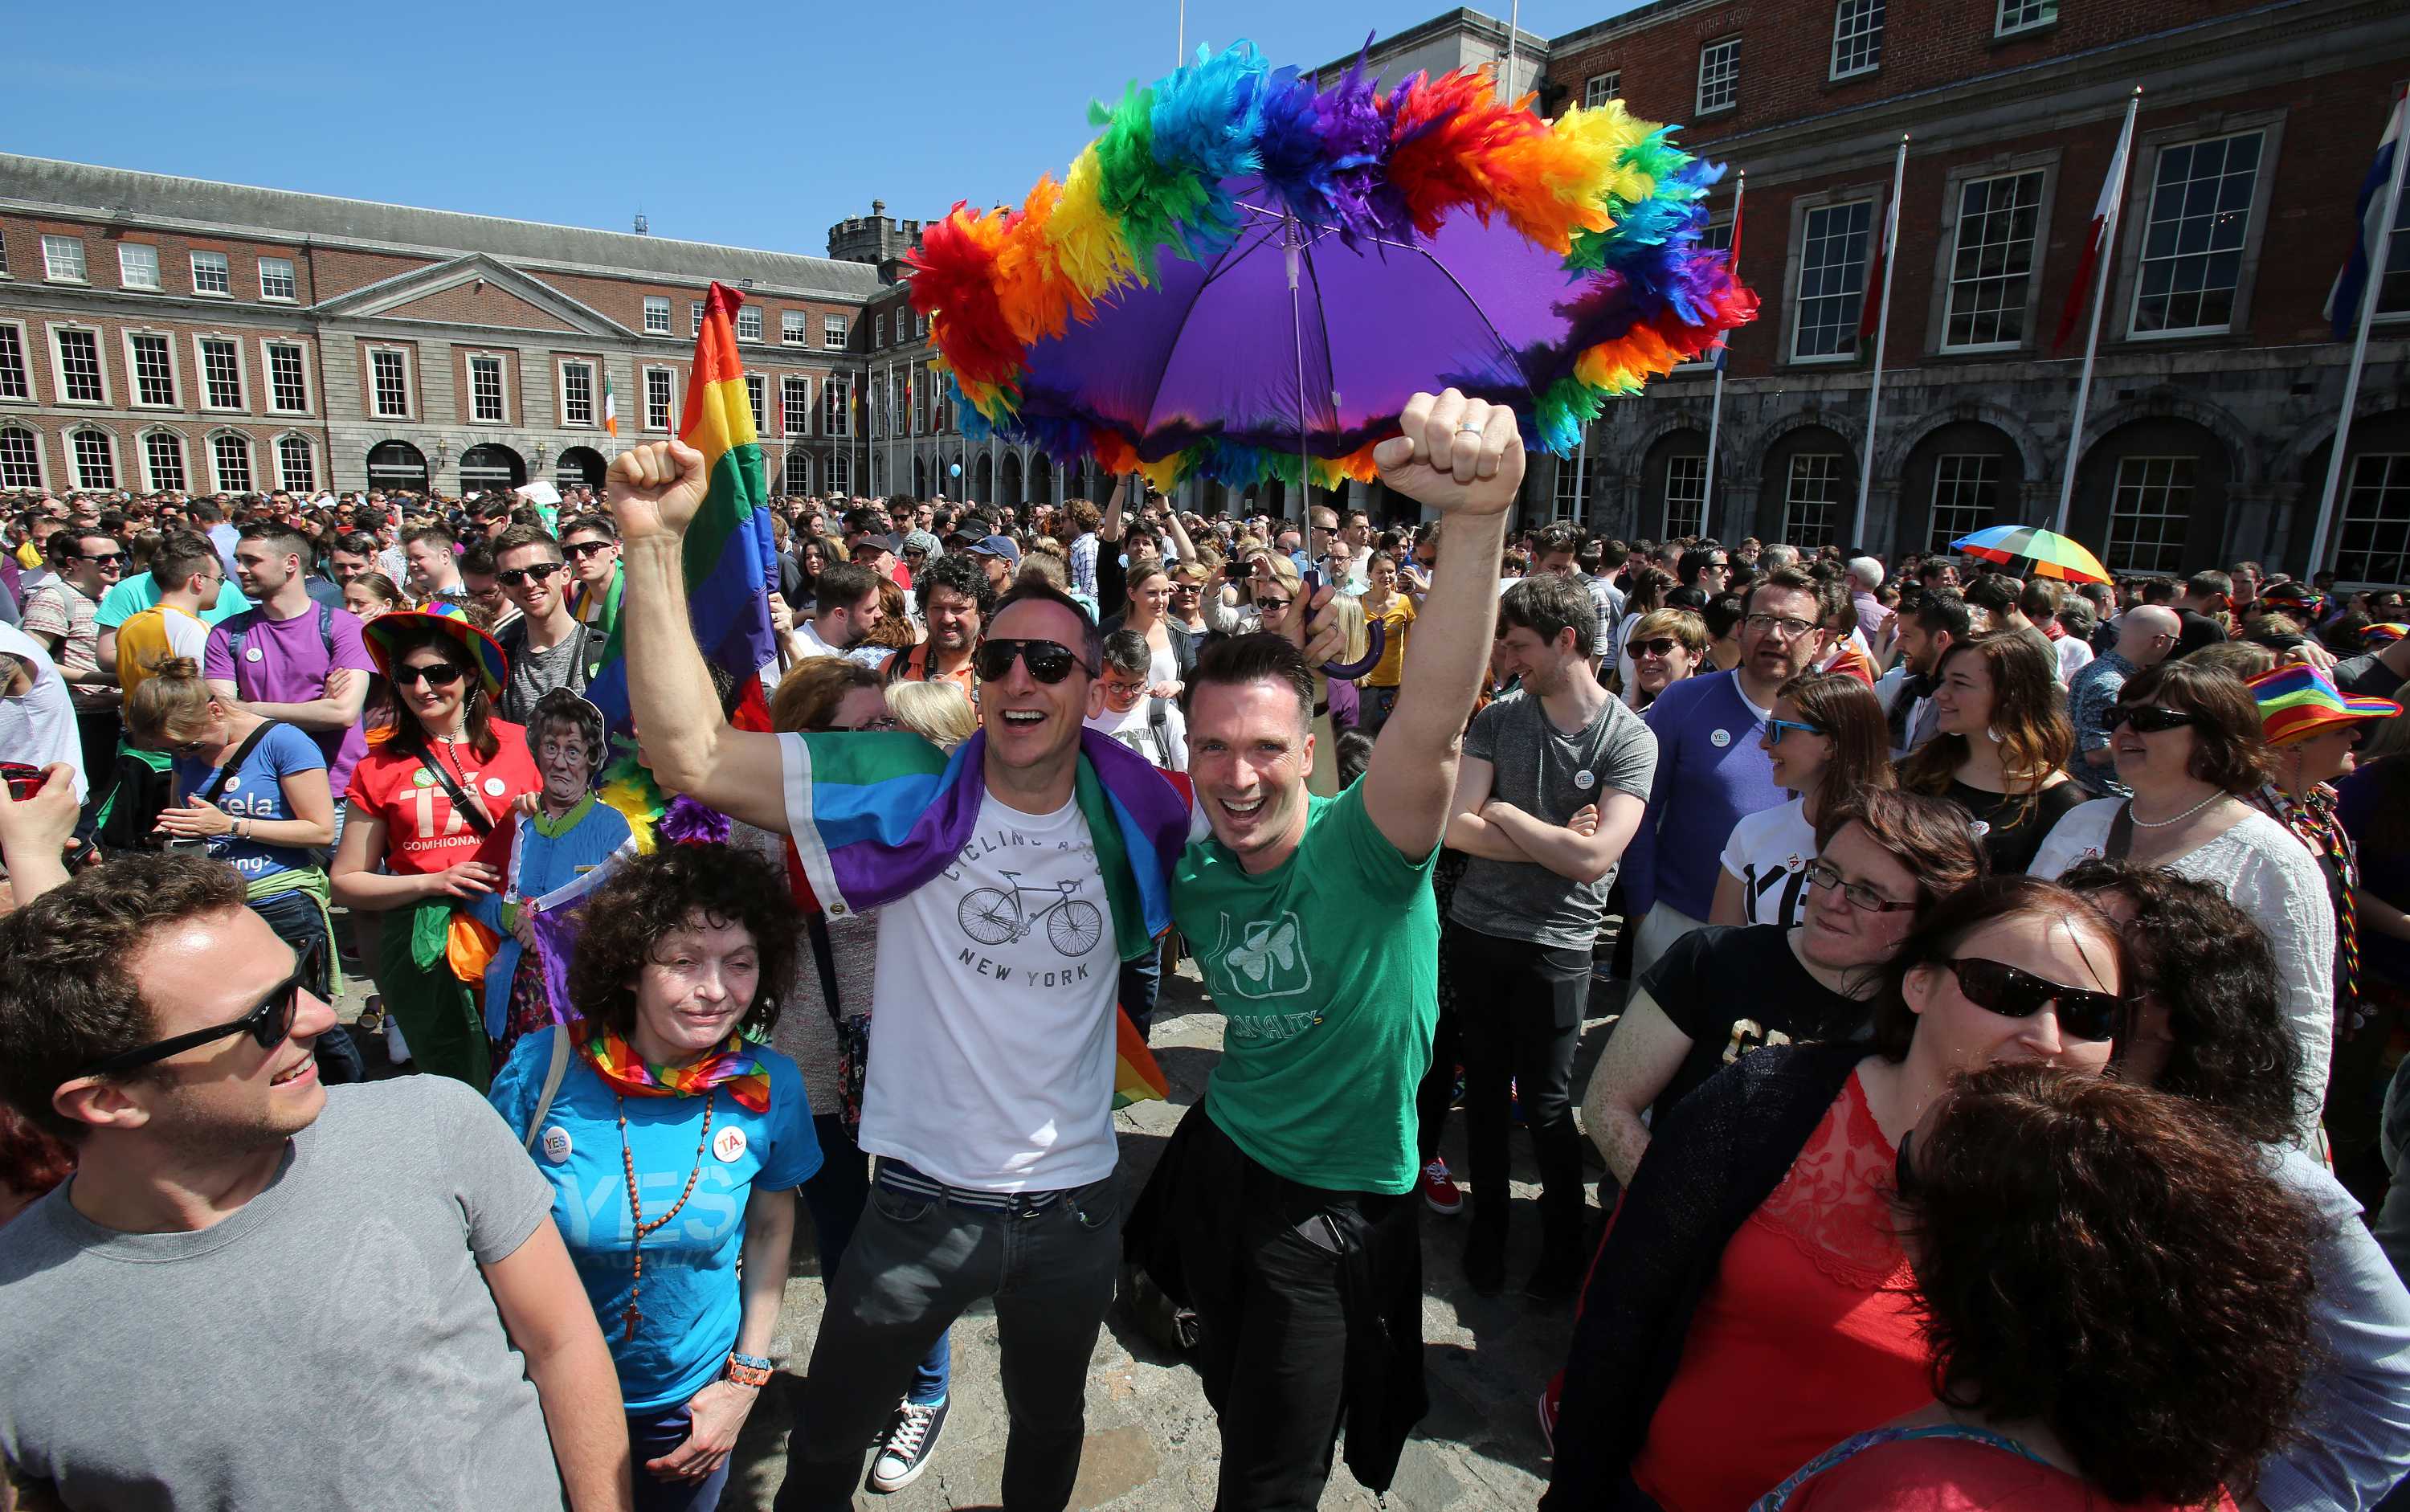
<point>731,561</point>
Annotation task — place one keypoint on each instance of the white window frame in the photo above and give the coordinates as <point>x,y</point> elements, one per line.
<point>645,398</point>
<point>1601,87</point>
<point>217,470</point>
<point>202,374</point>
<point>694,317</point>
<point>1869,17</point>
<point>1954,225</point>
<point>2015,16</point>
<point>151,481</point>
<point>41,456</point>
<point>55,249</point>
<point>126,275</point>
<point>59,366</point>
<point>561,367</point>
<point>748,314</point>
<point>879,332</point>
<point>292,281</point>
<point>502,386</point>
<point>757,399</point>
<point>134,400</point>
<point>24,364</point>
<point>1793,500</point>
<point>4,258</point>
<point>2122,559</point>
<point>268,375</point>
<point>224,272</point>
<point>2397,260</point>
<point>1804,213</point>
<point>1694,505</point>
<point>835,329</point>
<point>75,463</point>
<point>840,471</point>
<point>276,445</point>
<point>836,400</point>
<point>1985,475</point>
<point>656,304</point>
<point>409,384</point>
<point>795,416</point>
<point>1719,65</point>
<point>2136,233</point>
<point>795,473</point>
<point>2394,480</point>
<point>794,328</point>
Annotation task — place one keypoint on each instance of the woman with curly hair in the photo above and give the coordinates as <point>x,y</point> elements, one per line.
<point>2161,1332</point>
<point>674,1141</point>
<point>2000,745</point>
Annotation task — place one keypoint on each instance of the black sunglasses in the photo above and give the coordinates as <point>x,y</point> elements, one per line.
<point>435,675</point>
<point>583,549</point>
<point>2149,720</point>
<point>1049,661</point>
<point>516,576</point>
<point>105,558</point>
<point>267,1023</point>
<point>1997,987</point>
<point>1661,645</point>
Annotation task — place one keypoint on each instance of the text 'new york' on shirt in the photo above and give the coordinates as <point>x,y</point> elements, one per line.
<point>992,1024</point>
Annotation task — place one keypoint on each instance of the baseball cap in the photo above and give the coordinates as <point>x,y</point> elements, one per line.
<point>998,546</point>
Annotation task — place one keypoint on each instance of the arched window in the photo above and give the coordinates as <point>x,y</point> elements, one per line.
<point>230,459</point>
<point>95,460</point>
<point>21,458</point>
<point>163,460</point>
<point>296,464</point>
<point>795,476</point>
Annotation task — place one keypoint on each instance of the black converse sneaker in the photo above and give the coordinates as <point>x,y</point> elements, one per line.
<point>906,1453</point>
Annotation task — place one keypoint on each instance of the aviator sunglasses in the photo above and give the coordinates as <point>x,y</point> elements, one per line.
<point>1997,987</point>
<point>1049,661</point>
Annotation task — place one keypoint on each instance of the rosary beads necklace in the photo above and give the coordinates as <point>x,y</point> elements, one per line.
<point>637,1208</point>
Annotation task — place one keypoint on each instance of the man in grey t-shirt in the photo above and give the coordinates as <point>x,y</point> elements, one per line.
<point>255,1292</point>
<point>1553,784</point>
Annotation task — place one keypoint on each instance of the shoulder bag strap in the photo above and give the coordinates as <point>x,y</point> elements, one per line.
<point>552,1075</point>
<point>234,763</point>
<point>2120,843</point>
<point>825,957</point>
<point>472,813</point>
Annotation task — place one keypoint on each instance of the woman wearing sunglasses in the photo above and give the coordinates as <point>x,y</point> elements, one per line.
<point>1752,1270</point>
<point>1383,605</point>
<point>1666,647</point>
<point>2000,746</point>
<point>2188,743</point>
<point>674,1141</point>
<point>2159,1343</point>
<point>428,804</point>
<point>1827,743</point>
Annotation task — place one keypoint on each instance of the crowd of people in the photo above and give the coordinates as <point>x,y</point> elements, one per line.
<point>2000,1104</point>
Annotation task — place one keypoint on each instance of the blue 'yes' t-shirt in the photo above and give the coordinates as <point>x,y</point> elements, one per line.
<point>256,790</point>
<point>690,1300</point>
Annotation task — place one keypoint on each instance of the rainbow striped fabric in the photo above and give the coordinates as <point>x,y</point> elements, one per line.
<point>731,1066</point>
<point>730,563</point>
<point>2297,701</point>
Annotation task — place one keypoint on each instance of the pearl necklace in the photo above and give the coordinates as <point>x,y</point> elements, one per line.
<point>2141,823</point>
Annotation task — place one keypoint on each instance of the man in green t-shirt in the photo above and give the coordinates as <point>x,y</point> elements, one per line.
<point>1287,1195</point>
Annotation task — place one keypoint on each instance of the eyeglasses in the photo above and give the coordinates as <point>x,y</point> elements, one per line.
<point>267,1023</point>
<point>1997,987</point>
<point>1049,661</point>
<point>518,576</point>
<point>1825,876</point>
<point>583,549</point>
<point>434,674</point>
<point>1777,729</point>
<point>2148,720</point>
<point>1661,645</point>
<point>885,721</point>
<point>1791,628</point>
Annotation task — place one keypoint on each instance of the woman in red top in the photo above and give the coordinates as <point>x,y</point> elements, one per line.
<point>2163,1325</point>
<point>1750,1306</point>
<point>425,804</point>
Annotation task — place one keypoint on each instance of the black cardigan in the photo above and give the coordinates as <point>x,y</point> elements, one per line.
<point>1718,1155</point>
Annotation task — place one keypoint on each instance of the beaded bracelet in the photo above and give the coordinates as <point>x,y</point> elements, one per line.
<point>747,1371</point>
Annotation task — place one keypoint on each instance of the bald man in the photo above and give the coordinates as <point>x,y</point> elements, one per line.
<point>2145,637</point>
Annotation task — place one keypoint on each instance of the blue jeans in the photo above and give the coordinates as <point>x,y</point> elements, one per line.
<point>834,1198</point>
<point>298,922</point>
<point>652,1434</point>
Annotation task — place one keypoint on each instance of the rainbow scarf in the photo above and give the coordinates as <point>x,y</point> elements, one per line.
<point>731,1066</point>
<point>730,563</point>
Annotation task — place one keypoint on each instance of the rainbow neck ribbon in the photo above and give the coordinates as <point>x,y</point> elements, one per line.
<point>731,1066</point>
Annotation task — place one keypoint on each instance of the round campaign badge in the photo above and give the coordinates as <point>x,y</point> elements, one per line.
<point>493,787</point>
<point>232,783</point>
<point>729,1144</point>
<point>1795,863</point>
<point>1585,780</point>
<point>251,653</point>
<point>1719,739</point>
<point>422,778</point>
<point>1979,829</point>
<point>555,1144</point>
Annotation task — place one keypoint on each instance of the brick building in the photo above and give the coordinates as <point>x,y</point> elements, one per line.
<point>2219,381</point>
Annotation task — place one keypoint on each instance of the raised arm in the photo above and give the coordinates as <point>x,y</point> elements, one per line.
<point>1464,457</point>
<point>654,490</point>
<point>1180,541</point>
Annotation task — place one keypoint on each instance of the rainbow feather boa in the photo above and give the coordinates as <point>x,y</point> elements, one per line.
<point>1609,191</point>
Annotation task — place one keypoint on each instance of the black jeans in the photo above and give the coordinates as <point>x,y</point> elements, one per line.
<point>913,1265</point>
<point>836,1198</point>
<point>1521,1017</point>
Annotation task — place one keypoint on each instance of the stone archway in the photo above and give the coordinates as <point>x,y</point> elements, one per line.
<point>397,467</point>
<point>2151,496</point>
<point>1007,487</point>
<point>579,467</point>
<point>1810,491</point>
<point>492,468</point>
<point>1957,476</point>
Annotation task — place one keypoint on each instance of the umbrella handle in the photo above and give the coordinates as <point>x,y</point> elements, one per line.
<point>1376,639</point>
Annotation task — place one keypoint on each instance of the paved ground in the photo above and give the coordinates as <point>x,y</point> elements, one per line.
<point>1152,1441</point>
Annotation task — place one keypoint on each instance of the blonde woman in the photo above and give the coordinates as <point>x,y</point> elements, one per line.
<point>937,712</point>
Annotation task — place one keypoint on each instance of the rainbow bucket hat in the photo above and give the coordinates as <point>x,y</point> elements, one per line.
<point>447,619</point>
<point>2298,700</point>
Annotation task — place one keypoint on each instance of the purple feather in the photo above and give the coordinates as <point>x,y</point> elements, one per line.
<point>689,822</point>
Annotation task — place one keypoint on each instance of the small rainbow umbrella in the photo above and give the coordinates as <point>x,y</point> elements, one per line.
<point>2051,554</point>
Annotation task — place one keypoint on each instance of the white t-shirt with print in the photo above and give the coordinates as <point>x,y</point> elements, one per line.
<point>1136,730</point>
<point>1769,851</point>
<point>992,1013</point>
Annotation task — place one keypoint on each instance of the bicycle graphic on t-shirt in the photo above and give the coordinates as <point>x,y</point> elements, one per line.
<point>995,916</point>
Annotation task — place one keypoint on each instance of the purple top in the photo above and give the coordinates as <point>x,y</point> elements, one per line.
<point>285,661</point>
<point>1704,787</point>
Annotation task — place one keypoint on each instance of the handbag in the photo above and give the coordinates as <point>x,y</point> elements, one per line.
<point>852,1035</point>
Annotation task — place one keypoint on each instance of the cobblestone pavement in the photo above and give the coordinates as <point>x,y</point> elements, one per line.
<point>1152,1441</point>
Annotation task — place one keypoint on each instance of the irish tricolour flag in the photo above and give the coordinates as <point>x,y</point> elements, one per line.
<point>610,407</point>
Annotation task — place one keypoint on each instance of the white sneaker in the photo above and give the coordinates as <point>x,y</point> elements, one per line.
<point>906,1453</point>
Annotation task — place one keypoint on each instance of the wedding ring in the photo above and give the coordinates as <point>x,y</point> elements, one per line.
<point>1468,429</point>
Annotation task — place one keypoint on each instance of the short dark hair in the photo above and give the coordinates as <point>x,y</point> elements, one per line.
<point>1556,538</point>
<point>1549,603</point>
<point>66,999</point>
<point>600,524</point>
<point>1991,592</point>
<point>519,536</point>
<point>441,535</point>
<point>647,896</point>
<point>2159,590</point>
<point>180,553</point>
<point>1353,757</point>
<point>357,543</point>
<point>478,557</point>
<point>279,536</point>
<point>2233,753</point>
<point>959,573</point>
<point>1943,611</point>
<point>1257,658</point>
<point>1952,920</point>
<point>2201,584</point>
<point>1038,590</point>
<point>1126,650</point>
<point>2165,1278</point>
<point>841,585</point>
<point>1722,614</point>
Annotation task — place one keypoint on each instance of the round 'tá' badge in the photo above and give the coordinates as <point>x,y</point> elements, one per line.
<point>729,1144</point>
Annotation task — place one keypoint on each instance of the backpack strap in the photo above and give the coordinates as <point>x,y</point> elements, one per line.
<point>327,631</point>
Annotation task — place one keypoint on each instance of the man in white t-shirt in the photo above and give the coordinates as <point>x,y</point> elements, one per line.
<point>847,610</point>
<point>38,719</point>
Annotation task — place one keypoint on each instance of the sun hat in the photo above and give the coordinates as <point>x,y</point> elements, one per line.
<point>2384,634</point>
<point>2298,700</point>
<point>447,619</point>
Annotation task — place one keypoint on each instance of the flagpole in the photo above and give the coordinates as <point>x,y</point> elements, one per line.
<point>2099,301</point>
<point>1723,355</point>
<point>1506,75</point>
<point>2368,298</point>
<point>1882,332</point>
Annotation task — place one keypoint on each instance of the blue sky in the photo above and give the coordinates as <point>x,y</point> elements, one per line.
<point>784,120</point>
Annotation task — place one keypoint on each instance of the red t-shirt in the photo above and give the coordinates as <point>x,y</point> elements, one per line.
<point>422,833</point>
<point>1806,1336</point>
<point>1945,1474</point>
